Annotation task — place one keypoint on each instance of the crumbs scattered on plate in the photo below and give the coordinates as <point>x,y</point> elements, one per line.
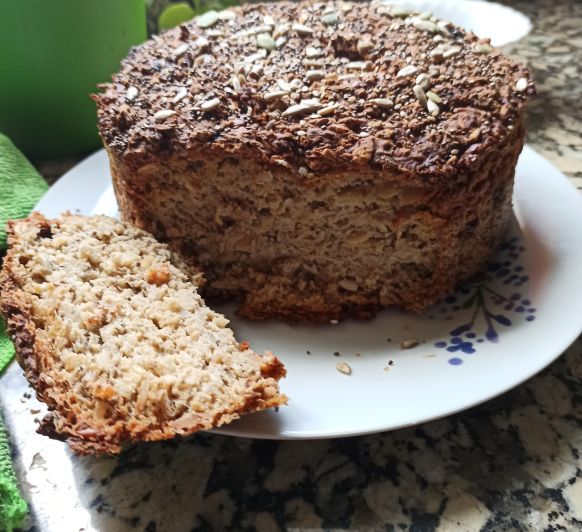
<point>344,368</point>
<point>408,344</point>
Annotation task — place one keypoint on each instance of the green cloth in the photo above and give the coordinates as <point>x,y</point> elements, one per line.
<point>13,507</point>
<point>20,188</point>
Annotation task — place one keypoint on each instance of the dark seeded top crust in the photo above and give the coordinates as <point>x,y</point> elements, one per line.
<point>316,87</point>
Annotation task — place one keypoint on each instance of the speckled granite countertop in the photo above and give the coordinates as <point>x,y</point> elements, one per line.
<point>513,463</point>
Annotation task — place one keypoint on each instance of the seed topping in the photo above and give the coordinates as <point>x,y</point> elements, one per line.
<point>432,107</point>
<point>266,41</point>
<point>210,105</point>
<point>341,79</point>
<point>131,93</point>
<point>434,97</point>
<point>303,107</point>
<point>181,94</point>
<point>302,30</point>
<point>384,103</point>
<point>406,71</point>
<point>330,18</point>
<point>207,20</point>
<point>163,114</point>
<point>180,50</point>
<point>521,84</point>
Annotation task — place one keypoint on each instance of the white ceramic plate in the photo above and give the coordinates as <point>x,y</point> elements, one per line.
<point>500,23</point>
<point>486,338</point>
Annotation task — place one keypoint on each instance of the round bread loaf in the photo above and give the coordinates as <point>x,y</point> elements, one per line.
<point>319,160</point>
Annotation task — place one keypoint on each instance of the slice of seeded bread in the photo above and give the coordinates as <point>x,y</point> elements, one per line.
<point>112,334</point>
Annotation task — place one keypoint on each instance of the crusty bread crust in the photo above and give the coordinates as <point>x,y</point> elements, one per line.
<point>81,429</point>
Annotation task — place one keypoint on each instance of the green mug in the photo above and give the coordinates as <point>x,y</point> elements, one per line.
<point>53,53</point>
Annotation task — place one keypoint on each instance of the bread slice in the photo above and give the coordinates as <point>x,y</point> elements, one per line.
<point>112,334</point>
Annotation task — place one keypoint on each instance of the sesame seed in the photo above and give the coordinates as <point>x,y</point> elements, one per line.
<point>384,103</point>
<point>280,30</point>
<point>302,29</point>
<point>397,11</point>
<point>284,85</point>
<point>261,54</point>
<point>333,322</point>
<point>210,105</point>
<point>330,18</point>
<point>432,107</point>
<point>409,344</point>
<point>328,109</point>
<point>358,65</point>
<point>163,114</point>
<point>311,51</point>
<point>131,93</point>
<point>227,15</point>
<point>315,75</point>
<point>425,25</point>
<point>443,26</point>
<point>201,42</point>
<point>302,107</point>
<point>268,20</point>
<point>344,368</point>
<point>236,84</point>
<point>280,41</point>
<point>521,84</point>
<point>451,51</point>
<point>302,169</point>
<point>275,95</point>
<point>208,19</point>
<point>406,71</point>
<point>180,50</point>
<point>181,94</point>
<point>254,30</point>
<point>312,63</point>
<point>266,41</point>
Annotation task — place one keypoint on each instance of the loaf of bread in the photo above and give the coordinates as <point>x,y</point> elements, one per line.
<point>319,160</point>
<point>113,336</point>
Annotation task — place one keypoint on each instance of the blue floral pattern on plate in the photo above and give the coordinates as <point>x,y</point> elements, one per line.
<point>495,303</point>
